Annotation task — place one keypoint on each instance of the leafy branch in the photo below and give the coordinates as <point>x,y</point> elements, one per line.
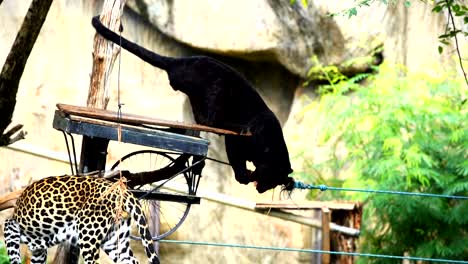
<point>454,8</point>
<point>459,10</point>
<point>363,3</point>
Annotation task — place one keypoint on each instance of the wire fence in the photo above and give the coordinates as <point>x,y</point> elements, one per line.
<point>301,185</point>
<point>312,251</point>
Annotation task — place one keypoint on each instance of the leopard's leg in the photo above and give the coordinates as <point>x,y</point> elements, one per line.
<point>90,237</point>
<point>39,256</point>
<point>12,235</point>
<point>89,246</point>
<point>117,243</point>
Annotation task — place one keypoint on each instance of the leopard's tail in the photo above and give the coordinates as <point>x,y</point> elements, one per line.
<point>12,234</point>
<point>140,219</point>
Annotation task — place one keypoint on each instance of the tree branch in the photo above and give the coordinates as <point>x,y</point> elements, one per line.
<point>16,61</point>
<point>11,136</point>
<point>456,42</point>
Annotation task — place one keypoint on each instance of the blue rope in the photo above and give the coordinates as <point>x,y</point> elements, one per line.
<point>302,186</point>
<point>315,251</point>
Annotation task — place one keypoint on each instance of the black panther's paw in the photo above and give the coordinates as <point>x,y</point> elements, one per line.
<point>244,178</point>
<point>265,186</point>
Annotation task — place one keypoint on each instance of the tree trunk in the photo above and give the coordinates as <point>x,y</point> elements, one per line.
<point>93,151</point>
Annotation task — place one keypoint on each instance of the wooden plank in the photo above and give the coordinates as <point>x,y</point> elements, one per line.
<point>138,120</point>
<point>115,125</point>
<point>309,205</point>
<point>135,135</point>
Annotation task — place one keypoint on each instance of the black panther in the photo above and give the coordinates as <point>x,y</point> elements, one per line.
<point>221,97</point>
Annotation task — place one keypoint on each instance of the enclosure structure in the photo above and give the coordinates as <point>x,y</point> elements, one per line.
<point>337,227</point>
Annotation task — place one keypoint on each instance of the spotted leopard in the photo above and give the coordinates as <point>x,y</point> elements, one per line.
<point>80,210</point>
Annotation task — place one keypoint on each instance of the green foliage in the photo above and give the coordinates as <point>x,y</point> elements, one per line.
<point>336,80</point>
<point>3,255</point>
<point>407,132</point>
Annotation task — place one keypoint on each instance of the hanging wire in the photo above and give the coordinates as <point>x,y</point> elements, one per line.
<point>119,104</point>
<point>121,183</point>
<point>118,71</point>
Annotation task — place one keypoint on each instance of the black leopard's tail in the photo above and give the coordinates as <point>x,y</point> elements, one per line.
<point>150,57</point>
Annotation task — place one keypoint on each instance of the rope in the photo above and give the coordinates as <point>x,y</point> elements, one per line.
<point>313,251</point>
<point>303,186</point>
<point>121,184</point>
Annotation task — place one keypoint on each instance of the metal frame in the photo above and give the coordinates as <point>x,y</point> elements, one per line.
<point>151,137</point>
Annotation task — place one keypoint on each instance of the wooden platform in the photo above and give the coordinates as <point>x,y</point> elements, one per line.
<point>137,120</point>
<point>139,135</point>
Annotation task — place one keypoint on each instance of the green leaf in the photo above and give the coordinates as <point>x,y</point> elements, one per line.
<point>443,41</point>
<point>440,49</point>
<point>437,9</point>
<point>352,12</point>
<point>407,3</point>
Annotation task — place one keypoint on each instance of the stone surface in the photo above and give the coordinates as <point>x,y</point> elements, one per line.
<point>259,30</point>
<point>275,30</point>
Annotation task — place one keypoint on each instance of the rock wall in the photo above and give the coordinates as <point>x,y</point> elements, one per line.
<point>290,34</point>
<point>256,30</point>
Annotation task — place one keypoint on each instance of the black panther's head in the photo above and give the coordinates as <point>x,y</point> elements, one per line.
<point>270,183</point>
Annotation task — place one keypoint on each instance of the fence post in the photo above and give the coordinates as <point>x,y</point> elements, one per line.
<point>325,234</point>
